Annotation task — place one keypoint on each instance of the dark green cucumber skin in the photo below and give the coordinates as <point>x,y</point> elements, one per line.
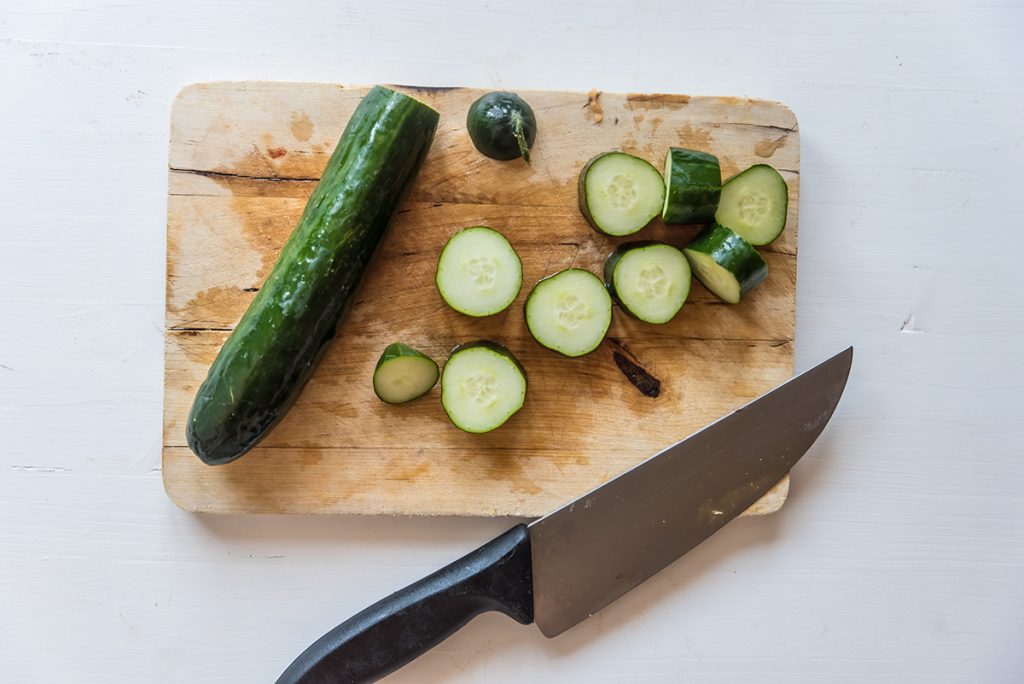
<point>732,253</point>
<point>263,366</point>
<point>609,270</point>
<point>692,187</point>
<point>581,191</point>
<point>492,126</point>
<point>613,260</point>
<point>397,350</point>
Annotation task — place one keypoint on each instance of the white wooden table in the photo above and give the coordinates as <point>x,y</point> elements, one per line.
<point>900,555</point>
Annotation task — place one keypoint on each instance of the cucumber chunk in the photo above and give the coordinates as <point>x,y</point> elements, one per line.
<point>403,374</point>
<point>482,386</point>
<point>650,280</point>
<point>693,183</point>
<point>725,263</point>
<point>478,272</point>
<point>754,204</point>
<point>619,194</point>
<point>569,312</point>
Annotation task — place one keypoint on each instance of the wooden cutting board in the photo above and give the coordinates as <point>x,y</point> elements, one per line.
<point>244,158</point>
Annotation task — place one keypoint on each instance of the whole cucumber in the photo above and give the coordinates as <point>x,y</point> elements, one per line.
<point>263,366</point>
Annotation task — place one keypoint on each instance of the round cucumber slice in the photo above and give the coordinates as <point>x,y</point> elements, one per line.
<point>403,374</point>
<point>482,386</point>
<point>478,272</point>
<point>754,204</point>
<point>569,312</point>
<point>693,183</point>
<point>619,194</point>
<point>725,263</point>
<point>650,280</point>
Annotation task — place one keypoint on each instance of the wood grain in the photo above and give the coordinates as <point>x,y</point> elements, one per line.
<point>243,159</point>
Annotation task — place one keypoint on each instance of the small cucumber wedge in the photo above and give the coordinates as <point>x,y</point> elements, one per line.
<point>725,263</point>
<point>619,194</point>
<point>569,312</point>
<point>693,183</point>
<point>478,272</point>
<point>403,374</point>
<point>482,386</point>
<point>650,280</point>
<point>754,203</point>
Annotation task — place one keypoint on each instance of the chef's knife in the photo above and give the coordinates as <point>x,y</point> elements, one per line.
<point>566,566</point>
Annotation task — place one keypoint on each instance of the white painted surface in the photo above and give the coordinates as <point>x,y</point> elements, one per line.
<point>900,556</point>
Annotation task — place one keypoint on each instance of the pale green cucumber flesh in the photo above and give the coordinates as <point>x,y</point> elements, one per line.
<point>619,194</point>
<point>569,312</point>
<point>403,374</point>
<point>754,204</point>
<point>478,272</point>
<point>482,386</point>
<point>650,280</point>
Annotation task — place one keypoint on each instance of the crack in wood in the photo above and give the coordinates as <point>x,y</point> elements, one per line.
<point>242,176</point>
<point>193,330</point>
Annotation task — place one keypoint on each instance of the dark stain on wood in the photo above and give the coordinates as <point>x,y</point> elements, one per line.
<point>648,385</point>
<point>627,362</point>
<point>277,152</point>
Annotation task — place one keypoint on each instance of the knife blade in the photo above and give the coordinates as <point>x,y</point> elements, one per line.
<point>569,564</point>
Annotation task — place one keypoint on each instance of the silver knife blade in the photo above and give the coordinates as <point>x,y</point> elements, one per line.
<point>595,549</point>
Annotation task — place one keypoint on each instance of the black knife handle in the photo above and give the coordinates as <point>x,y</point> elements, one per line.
<point>392,632</point>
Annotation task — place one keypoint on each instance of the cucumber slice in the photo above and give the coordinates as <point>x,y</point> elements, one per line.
<point>619,194</point>
<point>403,374</point>
<point>569,312</point>
<point>650,280</point>
<point>725,263</point>
<point>754,204</point>
<point>478,272</point>
<point>482,386</point>
<point>693,183</point>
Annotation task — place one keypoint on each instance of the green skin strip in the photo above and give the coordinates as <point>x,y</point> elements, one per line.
<point>517,131</point>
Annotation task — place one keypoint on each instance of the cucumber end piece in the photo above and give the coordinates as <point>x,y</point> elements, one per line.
<point>403,374</point>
